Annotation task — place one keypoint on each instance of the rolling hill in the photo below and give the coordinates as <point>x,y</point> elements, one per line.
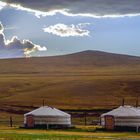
<point>77,60</point>
<point>89,79</point>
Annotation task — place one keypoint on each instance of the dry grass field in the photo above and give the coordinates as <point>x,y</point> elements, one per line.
<point>69,92</point>
<point>86,80</point>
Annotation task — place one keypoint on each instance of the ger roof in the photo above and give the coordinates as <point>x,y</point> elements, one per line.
<point>124,111</point>
<point>47,111</point>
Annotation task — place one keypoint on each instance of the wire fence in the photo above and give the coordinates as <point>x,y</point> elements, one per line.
<point>77,118</point>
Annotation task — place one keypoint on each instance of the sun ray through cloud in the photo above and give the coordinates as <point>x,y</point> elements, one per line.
<point>23,48</point>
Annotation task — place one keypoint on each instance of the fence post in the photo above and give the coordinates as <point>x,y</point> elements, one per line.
<point>11,121</point>
<point>137,128</point>
<point>85,118</point>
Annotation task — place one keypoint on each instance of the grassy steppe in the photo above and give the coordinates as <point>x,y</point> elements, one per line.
<point>95,88</point>
<point>85,80</point>
<point>88,80</point>
<point>23,134</point>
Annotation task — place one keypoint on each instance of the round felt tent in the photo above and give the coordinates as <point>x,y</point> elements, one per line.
<point>47,117</point>
<point>123,116</point>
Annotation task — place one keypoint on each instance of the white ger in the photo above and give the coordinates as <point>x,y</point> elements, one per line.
<point>123,116</point>
<point>47,117</point>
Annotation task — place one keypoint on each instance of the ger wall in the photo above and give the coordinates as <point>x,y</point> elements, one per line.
<point>52,120</point>
<point>123,121</point>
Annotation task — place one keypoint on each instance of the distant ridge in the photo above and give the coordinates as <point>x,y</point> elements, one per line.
<point>100,58</point>
<point>85,59</point>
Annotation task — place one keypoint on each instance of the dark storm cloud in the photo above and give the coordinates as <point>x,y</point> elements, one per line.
<point>15,47</point>
<point>95,8</point>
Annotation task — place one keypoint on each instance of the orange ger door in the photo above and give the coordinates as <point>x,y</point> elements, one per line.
<point>109,122</point>
<point>30,121</point>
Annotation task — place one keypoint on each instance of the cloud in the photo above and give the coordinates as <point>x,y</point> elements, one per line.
<point>63,30</point>
<point>1,28</point>
<point>91,8</point>
<point>17,48</point>
<point>2,5</point>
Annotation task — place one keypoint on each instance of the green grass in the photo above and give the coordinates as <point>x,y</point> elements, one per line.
<point>23,134</point>
<point>37,137</point>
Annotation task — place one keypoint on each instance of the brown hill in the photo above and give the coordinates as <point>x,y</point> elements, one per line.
<point>89,79</point>
<point>86,59</point>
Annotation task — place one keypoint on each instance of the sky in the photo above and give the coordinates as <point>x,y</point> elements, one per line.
<point>45,27</point>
